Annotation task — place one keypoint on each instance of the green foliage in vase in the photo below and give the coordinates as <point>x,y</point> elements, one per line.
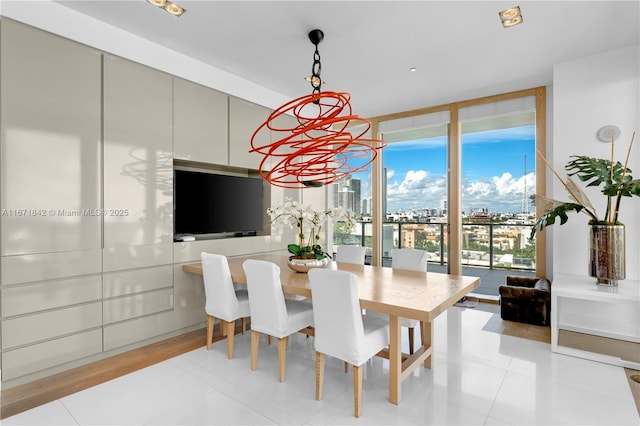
<point>614,178</point>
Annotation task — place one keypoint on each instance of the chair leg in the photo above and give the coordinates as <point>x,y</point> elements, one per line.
<point>210,321</point>
<point>223,329</point>
<point>319,374</point>
<point>268,339</point>
<point>255,341</point>
<point>243,324</point>
<point>230,334</point>
<point>357,389</point>
<point>346,366</point>
<point>411,334</point>
<point>282,356</point>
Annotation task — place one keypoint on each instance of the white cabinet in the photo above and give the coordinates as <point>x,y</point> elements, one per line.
<point>138,158</point>
<point>51,142</point>
<point>138,201</point>
<point>50,127</point>
<point>244,118</point>
<point>578,305</point>
<point>87,144</point>
<point>200,123</point>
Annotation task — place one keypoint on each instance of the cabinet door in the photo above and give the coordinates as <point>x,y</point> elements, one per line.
<point>50,142</point>
<point>200,123</point>
<point>138,158</point>
<point>244,119</point>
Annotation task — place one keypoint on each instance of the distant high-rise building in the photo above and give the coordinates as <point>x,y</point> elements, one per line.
<point>384,195</point>
<point>345,199</point>
<point>343,195</point>
<point>355,187</point>
<point>443,207</point>
<point>346,193</point>
<point>365,207</point>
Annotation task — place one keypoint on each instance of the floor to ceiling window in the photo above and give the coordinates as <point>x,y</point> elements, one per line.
<point>498,143</point>
<point>354,192</point>
<point>456,180</point>
<point>414,191</point>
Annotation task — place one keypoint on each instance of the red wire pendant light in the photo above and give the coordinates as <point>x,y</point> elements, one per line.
<point>319,149</point>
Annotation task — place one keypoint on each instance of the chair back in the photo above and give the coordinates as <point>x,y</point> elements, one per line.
<point>409,259</point>
<point>221,300</point>
<point>266,299</point>
<point>337,316</point>
<point>351,254</point>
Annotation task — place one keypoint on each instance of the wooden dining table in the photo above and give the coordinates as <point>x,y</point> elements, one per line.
<point>399,293</point>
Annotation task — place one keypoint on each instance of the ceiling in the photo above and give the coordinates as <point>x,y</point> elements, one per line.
<point>460,49</point>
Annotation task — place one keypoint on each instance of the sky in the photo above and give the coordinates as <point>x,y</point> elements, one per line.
<point>493,171</point>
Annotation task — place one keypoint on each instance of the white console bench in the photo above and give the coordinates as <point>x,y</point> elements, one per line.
<point>601,323</point>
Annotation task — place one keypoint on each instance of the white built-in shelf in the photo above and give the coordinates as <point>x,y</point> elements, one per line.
<point>578,304</point>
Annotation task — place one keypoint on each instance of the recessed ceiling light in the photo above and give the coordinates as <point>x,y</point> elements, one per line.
<point>174,9</point>
<point>510,13</point>
<point>168,6</point>
<point>413,69</point>
<point>511,16</point>
<point>511,22</point>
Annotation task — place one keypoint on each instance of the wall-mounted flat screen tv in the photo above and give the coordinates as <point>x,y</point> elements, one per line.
<point>207,203</point>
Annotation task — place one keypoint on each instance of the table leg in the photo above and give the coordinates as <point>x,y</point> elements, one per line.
<point>426,334</point>
<point>395,360</point>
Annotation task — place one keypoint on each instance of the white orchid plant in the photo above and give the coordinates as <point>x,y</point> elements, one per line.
<point>291,213</point>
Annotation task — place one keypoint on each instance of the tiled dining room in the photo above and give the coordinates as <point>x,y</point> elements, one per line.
<point>480,376</point>
<point>203,221</point>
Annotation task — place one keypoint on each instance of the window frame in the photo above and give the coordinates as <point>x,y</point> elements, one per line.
<point>454,172</point>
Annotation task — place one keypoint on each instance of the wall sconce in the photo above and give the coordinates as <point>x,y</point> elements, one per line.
<point>608,133</point>
<point>510,17</point>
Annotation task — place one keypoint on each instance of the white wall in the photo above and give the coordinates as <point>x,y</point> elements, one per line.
<point>589,93</point>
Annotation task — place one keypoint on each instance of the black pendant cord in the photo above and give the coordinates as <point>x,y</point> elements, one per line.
<point>316,81</point>
<point>316,36</point>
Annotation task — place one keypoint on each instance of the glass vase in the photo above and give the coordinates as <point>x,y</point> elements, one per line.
<point>607,253</point>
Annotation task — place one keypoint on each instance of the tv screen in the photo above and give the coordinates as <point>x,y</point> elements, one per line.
<point>206,203</point>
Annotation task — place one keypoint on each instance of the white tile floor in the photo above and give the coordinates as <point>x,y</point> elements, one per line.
<point>478,378</point>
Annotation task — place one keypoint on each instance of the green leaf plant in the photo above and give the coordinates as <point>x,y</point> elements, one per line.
<point>614,178</point>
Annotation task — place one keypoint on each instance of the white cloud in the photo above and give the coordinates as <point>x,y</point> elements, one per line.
<point>502,194</point>
<point>419,190</point>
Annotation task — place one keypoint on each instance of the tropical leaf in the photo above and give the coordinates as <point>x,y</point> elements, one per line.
<point>630,187</point>
<point>549,218</point>
<point>577,194</point>
<point>615,181</point>
<point>596,171</point>
<point>546,203</point>
<point>634,186</point>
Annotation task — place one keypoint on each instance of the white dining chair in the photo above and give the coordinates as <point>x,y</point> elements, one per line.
<point>411,260</point>
<point>350,254</point>
<point>341,331</point>
<point>271,313</point>
<point>222,300</point>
